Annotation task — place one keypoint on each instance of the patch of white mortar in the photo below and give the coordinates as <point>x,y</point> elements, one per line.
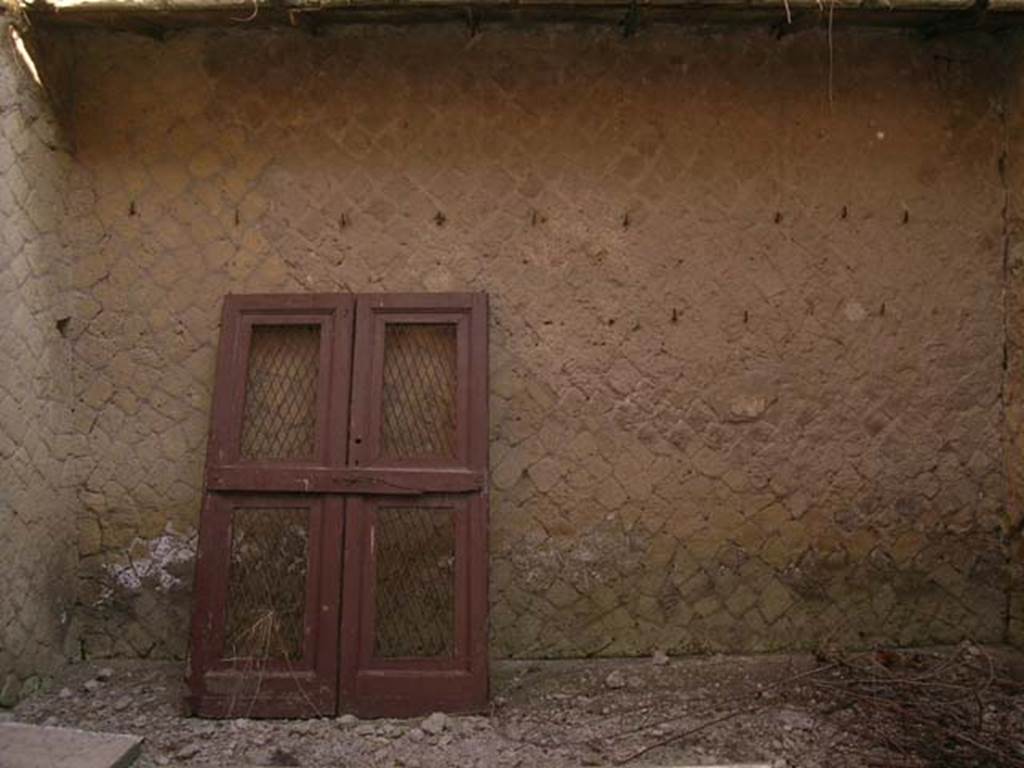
<point>163,552</point>
<point>855,311</point>
<point>747,408</point>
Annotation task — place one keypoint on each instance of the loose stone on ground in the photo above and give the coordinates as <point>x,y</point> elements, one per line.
<point>550,714</point>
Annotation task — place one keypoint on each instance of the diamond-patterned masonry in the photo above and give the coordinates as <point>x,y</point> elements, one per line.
<point>38,451</point>
<point>746,347</point>
<point>747,386</point>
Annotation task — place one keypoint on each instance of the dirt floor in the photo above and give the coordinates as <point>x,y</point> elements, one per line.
<point>961,706</point>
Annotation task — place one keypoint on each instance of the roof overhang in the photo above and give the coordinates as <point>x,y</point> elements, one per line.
<point>154,15</point>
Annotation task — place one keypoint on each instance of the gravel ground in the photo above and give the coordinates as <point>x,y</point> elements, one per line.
<point>552,714</point>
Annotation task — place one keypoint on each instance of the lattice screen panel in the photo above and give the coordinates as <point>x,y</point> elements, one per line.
<point>420,366</point>
<point>279,419</point>
<point>415,548</point>
<point>267,584</point>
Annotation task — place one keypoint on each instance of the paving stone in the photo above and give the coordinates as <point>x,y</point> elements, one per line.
<point>33,746</point>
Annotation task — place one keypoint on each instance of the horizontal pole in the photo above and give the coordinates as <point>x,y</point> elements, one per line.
<point>141,15</point>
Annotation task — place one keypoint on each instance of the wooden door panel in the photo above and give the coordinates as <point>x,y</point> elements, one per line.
<point>282,384</point>
<point>415,602</point>
<point>265,623</point>
<point>420,382</point>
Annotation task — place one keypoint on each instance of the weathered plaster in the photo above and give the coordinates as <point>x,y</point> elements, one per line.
<point>746,345</point>
<point>38,557</point>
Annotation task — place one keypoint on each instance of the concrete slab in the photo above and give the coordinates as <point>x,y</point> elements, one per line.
<point>38,746</point>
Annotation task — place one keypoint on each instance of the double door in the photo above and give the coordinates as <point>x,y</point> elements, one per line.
<point>342,563</point>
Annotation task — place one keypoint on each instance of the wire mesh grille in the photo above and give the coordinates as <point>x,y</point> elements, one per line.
<point>279,419</point>
<point>415,553</point>
<point>267,584</point>
<point>419,390</point>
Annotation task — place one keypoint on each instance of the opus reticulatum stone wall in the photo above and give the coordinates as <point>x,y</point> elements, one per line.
<point>747,347</point>
<point>747,339</point>
<point>38,451</point>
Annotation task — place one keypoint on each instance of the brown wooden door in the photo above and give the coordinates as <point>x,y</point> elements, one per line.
<point>347,457</point>
<point>416,567</point>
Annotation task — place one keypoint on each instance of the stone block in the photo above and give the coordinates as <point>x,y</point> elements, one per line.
<point>31,746</point>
